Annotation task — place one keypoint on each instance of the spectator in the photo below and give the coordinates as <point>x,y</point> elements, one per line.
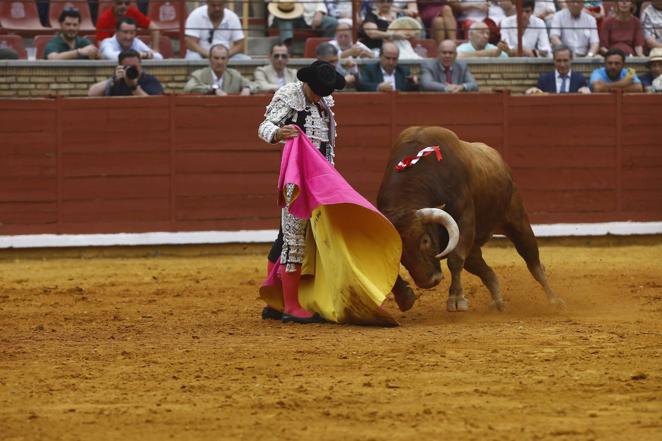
<point>273,76</point>
<point>341,10</point>
<point>347,49</point>
<point>438,19</point>
<point>288,15</point>
<point>651,20</point>
<point>67,44</point>
<point>7,53</point>
<point>477,46</point>
<point>471,11</point>
<point>654,69</point>
<point>545,10</point>
<point>614,75</point>
<point>500,9</point>
<point>376,23</point>
<point>622,30</point>
<point>445,74</point>
<point>596,10</point>
<point>213,24</point>
<point>129,80</point>
<point>563,79</point>
<point>108,19</point>
<point>125,38</point>
<point>535,42</point>
<point>217,78</point>
<point>387,75</point>
<point>329,53</point>
<point>576,29</point>
<point>406,9</point>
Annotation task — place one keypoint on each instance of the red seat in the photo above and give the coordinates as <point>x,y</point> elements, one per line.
<point>311,44</point>
<point>166,15</point>
<point>56,9</point>
<point>21,16</point>
<point>15,42</point>
<point>165,44</point>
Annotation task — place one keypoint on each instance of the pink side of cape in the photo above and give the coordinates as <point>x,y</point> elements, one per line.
<point>318,181</point>
<point>319,184</point>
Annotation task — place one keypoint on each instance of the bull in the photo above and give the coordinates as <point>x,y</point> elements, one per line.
<point>449,208</point>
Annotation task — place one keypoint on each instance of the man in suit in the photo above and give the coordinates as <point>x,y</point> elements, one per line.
<point>563,79</point>
<point>387,75</point>
<point>218,79</point>
<point>271,77</point>
<point>446,74</point>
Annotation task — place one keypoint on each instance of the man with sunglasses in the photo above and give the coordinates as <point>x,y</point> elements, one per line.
<point>271,77</point>
<point>213,24</point>
<point>107,21</point>
<point>67,44</point>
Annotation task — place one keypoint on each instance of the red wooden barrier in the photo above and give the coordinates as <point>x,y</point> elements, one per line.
<point>189,163</point>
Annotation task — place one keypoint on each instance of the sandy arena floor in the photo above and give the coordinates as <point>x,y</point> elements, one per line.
<point>172,347</point>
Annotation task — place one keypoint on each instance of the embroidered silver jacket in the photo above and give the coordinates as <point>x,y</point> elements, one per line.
<point>286,103</point>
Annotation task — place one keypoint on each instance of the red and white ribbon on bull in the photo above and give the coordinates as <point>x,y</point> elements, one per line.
<point>408,161</point>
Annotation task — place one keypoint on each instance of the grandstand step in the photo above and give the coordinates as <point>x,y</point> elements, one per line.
<point>260,46</point>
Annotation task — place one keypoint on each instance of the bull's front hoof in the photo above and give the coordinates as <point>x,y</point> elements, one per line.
<point>499,305</point>
<point>405,299</point>
<point>457,304</point>
<point>558,303</point>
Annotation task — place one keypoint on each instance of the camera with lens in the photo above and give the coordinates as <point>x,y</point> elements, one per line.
<point>131,72</point>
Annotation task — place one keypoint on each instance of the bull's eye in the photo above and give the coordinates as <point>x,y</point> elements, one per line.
<point>426,244</point>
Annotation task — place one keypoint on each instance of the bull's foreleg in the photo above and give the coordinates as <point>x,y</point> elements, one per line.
<point>456,299</point>
<point>476,265</point>
<point>404,295</point>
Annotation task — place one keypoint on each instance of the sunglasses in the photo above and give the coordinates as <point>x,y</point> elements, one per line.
<point>211,36</point>
<point>283,56</point>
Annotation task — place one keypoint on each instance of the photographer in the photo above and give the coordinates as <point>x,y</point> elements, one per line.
<point>129,79</point>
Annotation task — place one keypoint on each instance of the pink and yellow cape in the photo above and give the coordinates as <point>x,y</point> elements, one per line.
<point>352,251</point>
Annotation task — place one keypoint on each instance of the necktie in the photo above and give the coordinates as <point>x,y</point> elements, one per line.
<point>449,77</point>
<point>564,84</point>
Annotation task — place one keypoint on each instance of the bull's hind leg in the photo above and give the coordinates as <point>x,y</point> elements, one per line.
<point>476,265</point>
<point>518,229</point>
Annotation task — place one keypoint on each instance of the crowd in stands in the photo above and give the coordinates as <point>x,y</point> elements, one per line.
<point>388,32</point>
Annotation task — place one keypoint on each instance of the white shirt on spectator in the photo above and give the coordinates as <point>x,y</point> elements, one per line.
<point>110,48</point>
<point>389,78</point>
<point>473,14</point>
<point>216,81</point>
<point>534,36</point>
<point>309,10</point>
<point>651,22</point>
<point>198,25</point>
<point>544,6</point>
<point>337,46</point>
<point>576,33</point>
<point>496,13</point>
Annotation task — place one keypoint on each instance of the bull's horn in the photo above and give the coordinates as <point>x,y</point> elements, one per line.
<point>439,216</point>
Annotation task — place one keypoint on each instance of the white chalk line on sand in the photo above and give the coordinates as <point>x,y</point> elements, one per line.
<point>266,236</point>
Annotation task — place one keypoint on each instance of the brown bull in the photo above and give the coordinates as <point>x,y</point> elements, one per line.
<point>455,204</point>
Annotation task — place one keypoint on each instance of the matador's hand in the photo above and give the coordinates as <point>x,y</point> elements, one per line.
<point>287,132</point>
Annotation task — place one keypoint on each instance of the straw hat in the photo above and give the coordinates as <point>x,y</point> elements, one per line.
<point>655,55</point>
<point>285,9</point>
<point>406,26</point>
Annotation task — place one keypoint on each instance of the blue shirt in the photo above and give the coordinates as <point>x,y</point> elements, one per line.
<point>601,75</point>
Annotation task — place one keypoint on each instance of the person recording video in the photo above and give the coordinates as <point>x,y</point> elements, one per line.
<point>129,79</point>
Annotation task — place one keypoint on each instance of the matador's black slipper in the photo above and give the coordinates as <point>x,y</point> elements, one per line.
<point>269,313</point>
<point>315,318</point>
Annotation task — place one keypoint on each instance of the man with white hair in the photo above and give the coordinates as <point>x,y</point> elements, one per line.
<point>445,74</point>
<point>478,45</point>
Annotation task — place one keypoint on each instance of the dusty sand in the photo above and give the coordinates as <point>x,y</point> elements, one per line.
<point>172,347</point>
